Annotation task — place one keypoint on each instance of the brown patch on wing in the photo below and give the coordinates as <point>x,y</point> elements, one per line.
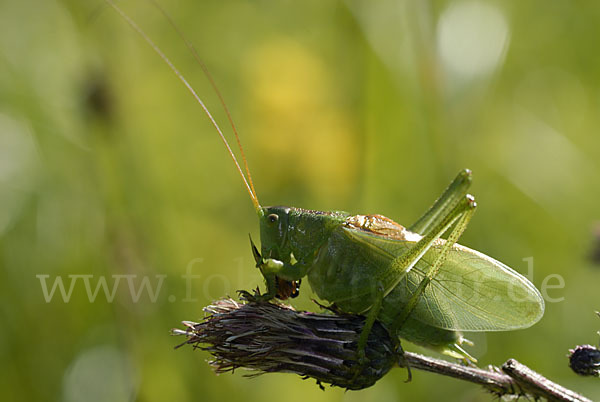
<point>377,224</point>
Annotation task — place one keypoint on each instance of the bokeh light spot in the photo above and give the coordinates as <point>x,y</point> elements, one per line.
<point>472,37</point>
<point>99,374</point>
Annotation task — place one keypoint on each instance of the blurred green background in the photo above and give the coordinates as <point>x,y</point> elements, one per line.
<point>108,167</point>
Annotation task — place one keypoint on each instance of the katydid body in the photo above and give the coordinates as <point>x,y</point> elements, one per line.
<point>369,264</point>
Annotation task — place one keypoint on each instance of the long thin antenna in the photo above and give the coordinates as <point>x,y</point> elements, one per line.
<point>212,82</point>
<point>139,30</point>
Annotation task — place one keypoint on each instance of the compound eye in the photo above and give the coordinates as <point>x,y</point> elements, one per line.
<point>273,218</point>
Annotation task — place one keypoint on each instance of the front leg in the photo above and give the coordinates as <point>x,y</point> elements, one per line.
<point>271,282</point>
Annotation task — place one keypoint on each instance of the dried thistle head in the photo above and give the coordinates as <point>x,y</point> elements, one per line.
<point>267,338</point>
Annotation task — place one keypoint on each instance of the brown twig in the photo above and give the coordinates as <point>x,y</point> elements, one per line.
<point>266,337</point>
<point>538,385</point>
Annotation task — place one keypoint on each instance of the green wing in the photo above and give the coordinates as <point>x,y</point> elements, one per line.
<point>471,292</point>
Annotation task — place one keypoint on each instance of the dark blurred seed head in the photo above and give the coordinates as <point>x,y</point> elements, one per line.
<point>267,338</point>
<point>97,97</point>
<point>595,247</point>
<point>585,360</point>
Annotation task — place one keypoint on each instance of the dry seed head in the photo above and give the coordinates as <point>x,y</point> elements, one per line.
<point>267,338</point>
